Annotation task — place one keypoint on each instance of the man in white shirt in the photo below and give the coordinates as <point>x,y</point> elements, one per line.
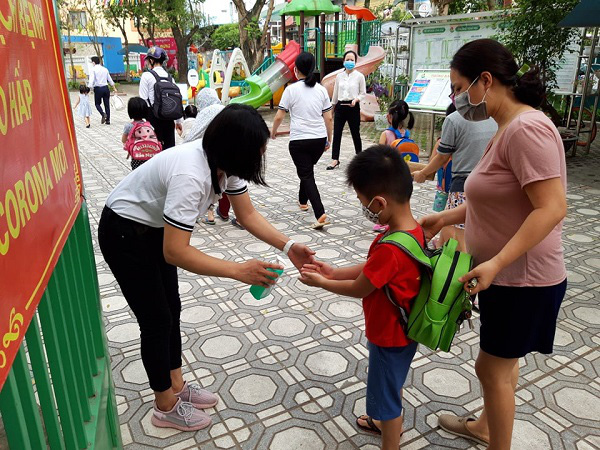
<point>99,81</point>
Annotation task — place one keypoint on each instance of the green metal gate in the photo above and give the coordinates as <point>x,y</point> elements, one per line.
<point>59,393</point>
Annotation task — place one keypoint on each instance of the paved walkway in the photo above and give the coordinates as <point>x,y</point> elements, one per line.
<point>291,369</point>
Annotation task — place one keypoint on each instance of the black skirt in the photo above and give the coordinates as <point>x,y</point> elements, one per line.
<point>516,321</point>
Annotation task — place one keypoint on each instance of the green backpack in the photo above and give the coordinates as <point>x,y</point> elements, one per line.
<point>442,304</point>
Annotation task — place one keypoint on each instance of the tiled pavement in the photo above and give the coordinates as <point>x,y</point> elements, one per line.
<point>291,369</point>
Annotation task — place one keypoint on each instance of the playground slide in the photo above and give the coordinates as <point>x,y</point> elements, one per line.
<point>366,65</point>
<point>263,86</point>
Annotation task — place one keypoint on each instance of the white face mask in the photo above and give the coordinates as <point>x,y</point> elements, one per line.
<point>473,112</point>
<point>370,215</point>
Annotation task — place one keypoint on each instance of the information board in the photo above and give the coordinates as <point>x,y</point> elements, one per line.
<point>430,90</point>
<point>434,45</point>
<point>40,182</point>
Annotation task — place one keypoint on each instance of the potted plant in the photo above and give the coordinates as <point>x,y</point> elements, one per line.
<point>382,92</point>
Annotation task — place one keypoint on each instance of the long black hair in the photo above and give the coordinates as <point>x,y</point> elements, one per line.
<point>399,111</point>
<point>488,55</point>
<point>305,63</point>
<point>235,142</point>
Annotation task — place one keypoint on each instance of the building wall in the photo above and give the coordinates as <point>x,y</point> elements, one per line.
<point>110,46</point>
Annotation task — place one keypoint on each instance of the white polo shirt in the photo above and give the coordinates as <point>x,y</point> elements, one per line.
<point>173,187</point>
<point>306,106</point>
<point>147,82</point>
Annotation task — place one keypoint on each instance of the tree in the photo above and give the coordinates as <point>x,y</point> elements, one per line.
<point>95,25</point>
<point>145,19</point>
<point>252,37</point>
<point>66,24</point>
<point>226,36</point>
<point>533,36</point>
<point>118,15</point>
<point>185,20</point>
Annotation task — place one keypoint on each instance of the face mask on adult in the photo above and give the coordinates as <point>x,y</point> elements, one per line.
<point>349,65</point>
<point>473,112</point>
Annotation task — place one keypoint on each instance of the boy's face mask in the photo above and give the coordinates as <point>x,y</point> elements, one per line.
<point>473,112</point>
<point>370,215</point>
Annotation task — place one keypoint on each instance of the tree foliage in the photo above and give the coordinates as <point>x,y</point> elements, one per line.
<point>226,36</point>
<point>534,37</point>
<point>252,35</point>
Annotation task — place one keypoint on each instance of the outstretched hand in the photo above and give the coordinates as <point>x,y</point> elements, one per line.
<point>311,278</point>
<point>319,267</point>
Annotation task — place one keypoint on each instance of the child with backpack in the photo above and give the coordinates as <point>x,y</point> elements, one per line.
<point>383,185</point>
<point>139,139</point>
<point>397,136</point>
<point>83,104</point>
<point>397,114</point>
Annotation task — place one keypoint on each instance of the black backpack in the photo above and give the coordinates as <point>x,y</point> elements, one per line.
<point>168,102</point>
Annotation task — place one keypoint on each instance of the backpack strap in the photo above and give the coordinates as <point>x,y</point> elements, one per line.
<point>396,132</point>
<point>409,245</point>
<point>158,77</point>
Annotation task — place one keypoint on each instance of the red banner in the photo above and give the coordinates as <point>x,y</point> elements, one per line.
<point>40,182</point>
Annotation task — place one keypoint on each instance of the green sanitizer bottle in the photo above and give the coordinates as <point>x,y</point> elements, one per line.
<point>260,292</point>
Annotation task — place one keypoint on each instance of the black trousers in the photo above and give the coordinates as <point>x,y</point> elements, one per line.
<point>165,130</point>
<point>305,154</point>
<point>346,113</point>
<point>134,253</point>
<point>102,95</point>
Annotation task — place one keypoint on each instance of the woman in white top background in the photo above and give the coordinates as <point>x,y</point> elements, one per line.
<point>350,88</point>
<point>310,131</point>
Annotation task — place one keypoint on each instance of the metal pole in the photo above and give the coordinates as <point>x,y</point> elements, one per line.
<point>283,32</point>
<point>586,80</point>
<point>322,46</point>
<point>395,52</point>
<point>301,31</point>
<point>335,33</point>
<point>358,30</point>
<point>572,98</point>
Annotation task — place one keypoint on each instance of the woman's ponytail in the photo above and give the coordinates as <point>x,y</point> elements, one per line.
<point>305,63</point>
<point>529,88</point>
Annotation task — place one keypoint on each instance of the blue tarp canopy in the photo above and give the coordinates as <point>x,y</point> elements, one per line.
<point>585,14</point>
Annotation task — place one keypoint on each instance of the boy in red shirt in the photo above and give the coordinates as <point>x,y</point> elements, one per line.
<point>383,185</point>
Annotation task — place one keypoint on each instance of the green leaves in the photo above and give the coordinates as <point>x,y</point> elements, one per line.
<point>534,37</point>
<point>226,36</point>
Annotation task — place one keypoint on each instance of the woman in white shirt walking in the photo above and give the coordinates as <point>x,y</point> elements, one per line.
<point>310,131</point>
<point>350,88</point>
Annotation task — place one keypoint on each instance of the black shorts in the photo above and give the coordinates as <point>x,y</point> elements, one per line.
<point>516,321</point>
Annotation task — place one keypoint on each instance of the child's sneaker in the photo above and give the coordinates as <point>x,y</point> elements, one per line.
<point>183,416</point>
<point>197,396</point>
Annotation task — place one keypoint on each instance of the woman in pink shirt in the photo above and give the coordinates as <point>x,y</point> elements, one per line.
<point>513,222</point>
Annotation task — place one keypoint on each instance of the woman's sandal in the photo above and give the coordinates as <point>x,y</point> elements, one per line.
<point>319,224</point>
<point>333,166</point>
<point>303,207</point>
<point>206,221</point>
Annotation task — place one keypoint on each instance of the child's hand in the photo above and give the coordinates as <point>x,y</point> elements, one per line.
<point>311,278</point>
<point>419,176</point>
<point>319,267</point>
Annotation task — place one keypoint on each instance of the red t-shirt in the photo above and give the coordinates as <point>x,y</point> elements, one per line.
<point>387,264</point>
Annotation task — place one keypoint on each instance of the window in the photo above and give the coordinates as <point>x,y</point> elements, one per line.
<point>78,19</point>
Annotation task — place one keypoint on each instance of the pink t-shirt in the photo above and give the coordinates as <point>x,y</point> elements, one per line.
<point>530,149</point>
